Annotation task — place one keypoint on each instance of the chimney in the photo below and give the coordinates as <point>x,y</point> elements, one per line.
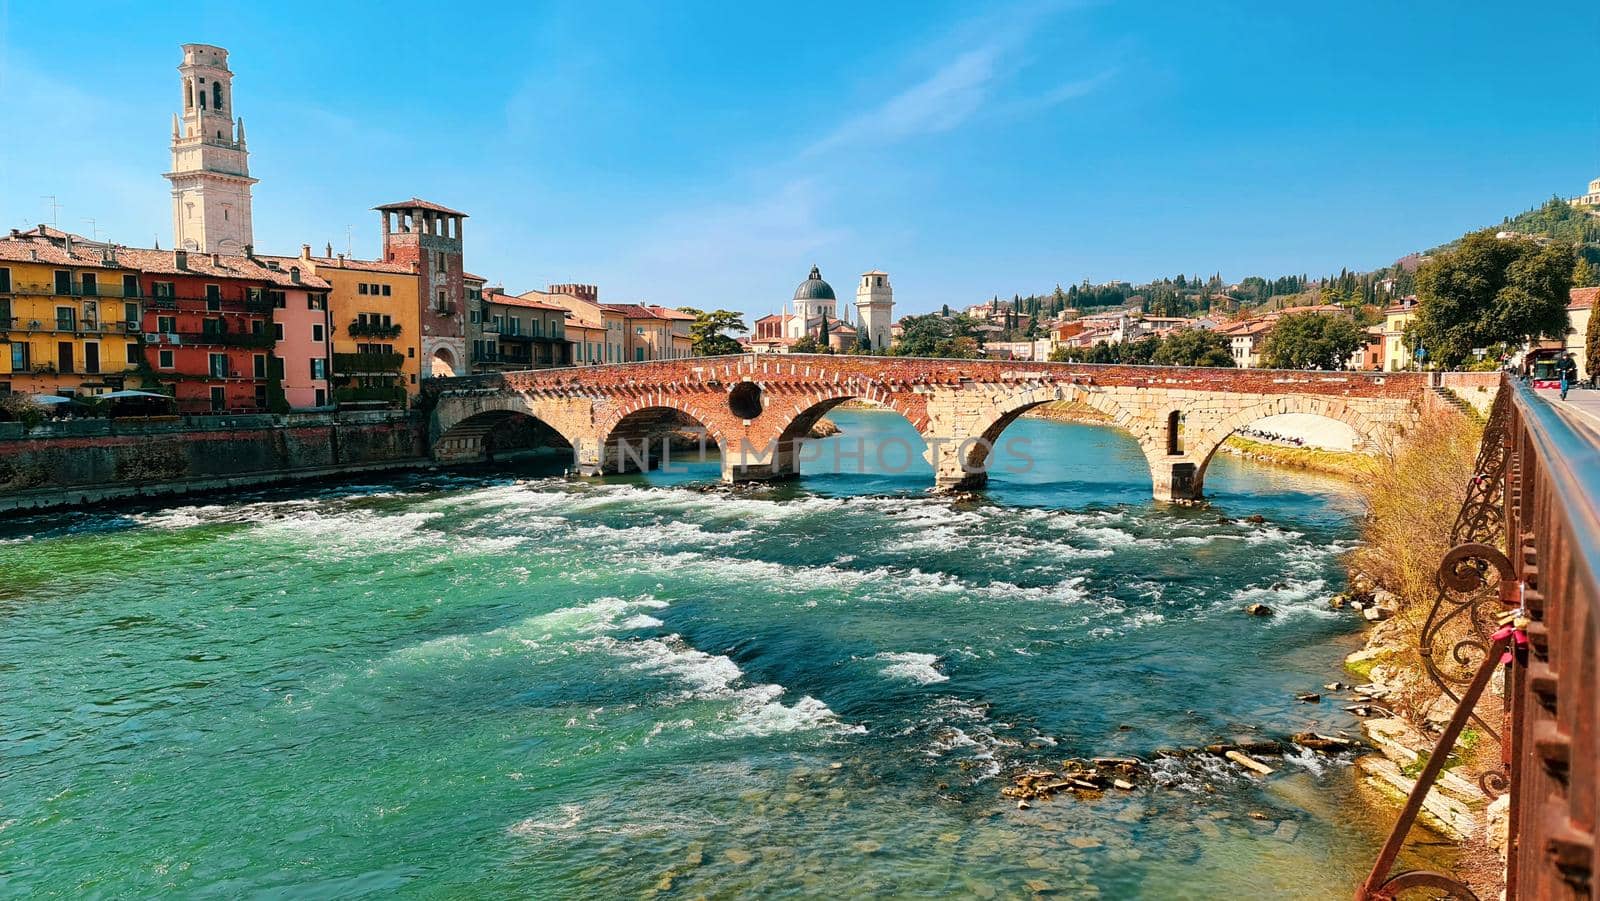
<point>66,243</point>
<point>341,261</point>
<point>328,249</point>
<point>180,259</point>
<point>216,260</point>
<point>305,251</point>
<point>250,252</point>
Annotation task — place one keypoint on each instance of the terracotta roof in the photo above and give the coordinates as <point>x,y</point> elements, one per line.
<point>1583,298</point>
<point>644,311</point>
<point>476,278</point>
<point>524,302</point>
<point>164,262</point>
<point>348,263</point>
<point>23,250</point>
<point>417,203</point>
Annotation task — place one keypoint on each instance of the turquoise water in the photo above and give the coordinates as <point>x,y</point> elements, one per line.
<point>507,684</point>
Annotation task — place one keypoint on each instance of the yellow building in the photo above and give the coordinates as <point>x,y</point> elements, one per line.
<point>1579,309</point>
<point>598,333</point>
<point>1396,356</point>
<point>374,309</point>
<point>69,316</point>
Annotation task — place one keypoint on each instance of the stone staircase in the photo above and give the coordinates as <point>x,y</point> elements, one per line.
<point>1452,400</point>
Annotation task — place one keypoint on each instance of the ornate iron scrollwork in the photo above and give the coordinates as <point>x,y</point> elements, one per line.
<point>1461,619</point>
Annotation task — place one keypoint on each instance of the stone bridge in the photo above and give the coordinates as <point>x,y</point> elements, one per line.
<point>758,409</point>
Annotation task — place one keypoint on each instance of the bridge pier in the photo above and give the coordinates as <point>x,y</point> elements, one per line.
<point>1177,480</point>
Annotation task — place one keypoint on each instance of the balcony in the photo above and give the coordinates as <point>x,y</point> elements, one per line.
<point>44,289</point>
<point>226,339</point>
<point>359,329</point>
<point>187,302</point>
<point>356,364</point>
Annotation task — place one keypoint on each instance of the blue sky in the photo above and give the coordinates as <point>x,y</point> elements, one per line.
<point>708,154</point>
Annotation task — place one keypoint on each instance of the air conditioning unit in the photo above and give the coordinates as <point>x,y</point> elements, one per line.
<point>151,337</point>
<point>33,323</point>
<point>172,338</point>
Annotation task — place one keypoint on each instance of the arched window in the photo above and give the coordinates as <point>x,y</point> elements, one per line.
<point>216,94</point>
<point>1175,433</point>
<point>188,95</point>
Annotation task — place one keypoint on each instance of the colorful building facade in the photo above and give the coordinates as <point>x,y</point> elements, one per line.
<point>69,316</point>
<point>373,322</point>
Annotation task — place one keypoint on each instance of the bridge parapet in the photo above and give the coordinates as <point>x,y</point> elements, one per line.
<point>758,408</point>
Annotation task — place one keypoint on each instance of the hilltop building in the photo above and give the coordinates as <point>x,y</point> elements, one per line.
<point>1590,199</point>
<point>210,164</point>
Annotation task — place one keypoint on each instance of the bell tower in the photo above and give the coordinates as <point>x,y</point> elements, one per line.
<point>875,307</point>
<point>210,165</point>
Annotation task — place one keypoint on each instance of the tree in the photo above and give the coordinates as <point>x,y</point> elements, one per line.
<point>1489,290</point>
<point>807,344</point>
<point>1591,342</point>
<point>823,337</point>
<point>1584,274</point>
<point>863,343</point>
<point>1311,341</point>
<point>1193,347</point>
<point>936,336</point>
<point>706,334</point>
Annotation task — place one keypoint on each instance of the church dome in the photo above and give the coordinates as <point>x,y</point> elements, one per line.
<point>814,288</point>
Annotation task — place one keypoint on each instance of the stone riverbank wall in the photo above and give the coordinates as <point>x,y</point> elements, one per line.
<point>87,461</point>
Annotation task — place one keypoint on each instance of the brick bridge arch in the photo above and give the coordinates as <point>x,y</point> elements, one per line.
<point>960,407</point>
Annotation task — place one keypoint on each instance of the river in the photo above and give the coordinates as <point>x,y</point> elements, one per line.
<point>508,684</point>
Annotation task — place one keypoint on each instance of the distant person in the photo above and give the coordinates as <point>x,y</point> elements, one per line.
<point>1568,368</point>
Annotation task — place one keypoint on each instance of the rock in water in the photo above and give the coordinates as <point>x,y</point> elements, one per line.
<point>1308,698</point>
<point>1259,610</point>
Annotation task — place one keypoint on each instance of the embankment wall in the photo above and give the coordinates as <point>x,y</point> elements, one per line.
<point>58,464</point>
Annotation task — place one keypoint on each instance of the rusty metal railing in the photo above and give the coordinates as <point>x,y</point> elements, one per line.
<point>1549,493</point>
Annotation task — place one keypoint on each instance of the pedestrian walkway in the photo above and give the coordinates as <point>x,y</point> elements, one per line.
<point>1581,409</point>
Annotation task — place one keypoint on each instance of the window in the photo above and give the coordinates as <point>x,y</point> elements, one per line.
<point>166,324</point>
<point>260,365</point>
<point>441,300</point>
<point>19,358</point>
<point>385,290</point>
<point>316,301</point>
<point>134,357</point>
<point>322,397</point>
<point>213,297</point>
<point>66,317</point>
<point>219,366</point>
<point>442,267</point>
<point>277,331</point>
<point>5,281</point>
<point>5,312</point>
<point>63,282</point>
<point>211,327</point>
<point>278,300</point>
<point>130,286</point>
<point>472,315</point>
<point>164,359</point>
<point>216,94</point>
<point>319,368</point>
<point>361,288</point>
<point>411,352</point>
<point>161,289</point>
<point>130,317</point>
<point>91,356</point>
<point>316,332</point>
<point>91,285</point>
<point>219,400</point>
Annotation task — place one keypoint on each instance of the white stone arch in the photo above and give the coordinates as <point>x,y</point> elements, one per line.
<point>1203,445</point>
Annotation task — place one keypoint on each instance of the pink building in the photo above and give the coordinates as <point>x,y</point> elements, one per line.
<point>303,332</point>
